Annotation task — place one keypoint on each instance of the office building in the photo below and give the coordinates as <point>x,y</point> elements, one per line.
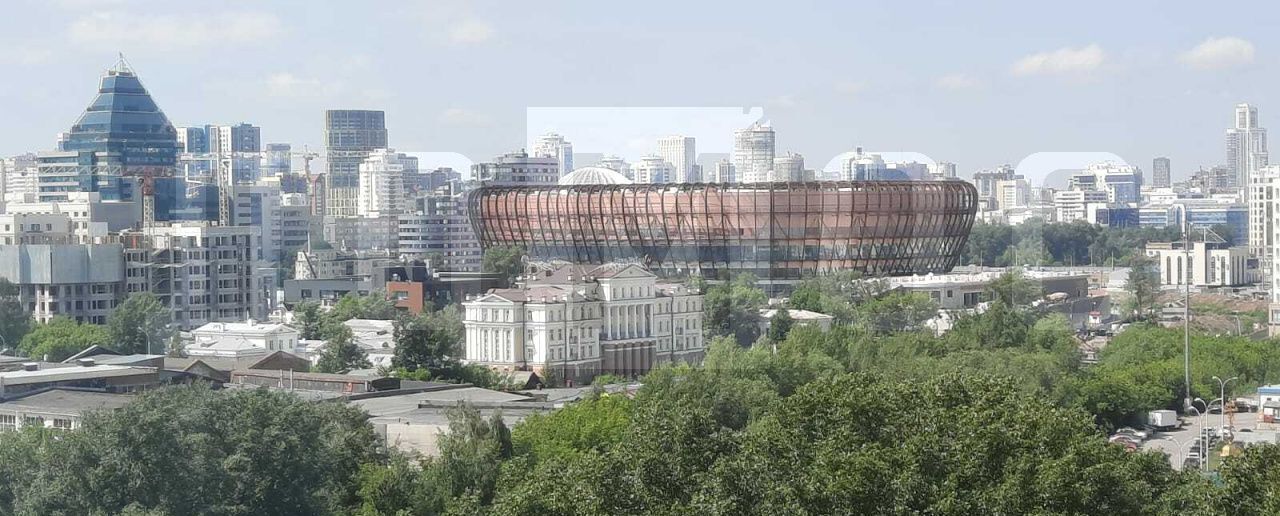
<point>1073,205</point>
<point>350,137</point>
<point>1122,183</point>
<point>277,160</point>
<point>1246,144</point>
<point>552,145</point>
<point>943,171</point>
<point>722,173</point>
<point>1211,263</point>
<point>240,147</point>
<point>1161,173</point>
<point>1012,193</point>
<point>753,153</point>
<point>861,166</point>
<point>577,322</point>
<point>517,169</point>
<point>985,181</point>
<point>125,127</point>
<point>681,152</point>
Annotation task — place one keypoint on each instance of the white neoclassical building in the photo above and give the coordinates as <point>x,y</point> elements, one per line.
<point>580,321</point>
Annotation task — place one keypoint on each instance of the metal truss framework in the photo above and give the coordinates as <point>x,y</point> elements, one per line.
<point>777,231</point>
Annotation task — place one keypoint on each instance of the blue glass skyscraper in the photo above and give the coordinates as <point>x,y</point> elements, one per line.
<point>123,118</point>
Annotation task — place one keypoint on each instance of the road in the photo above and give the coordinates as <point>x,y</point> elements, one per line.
<point>1174,443</point>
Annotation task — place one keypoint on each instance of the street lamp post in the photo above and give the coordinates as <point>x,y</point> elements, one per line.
<point>1222,386</point>
<point>1204,449</point>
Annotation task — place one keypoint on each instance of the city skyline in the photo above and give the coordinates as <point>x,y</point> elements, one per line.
<point>1074,83</point>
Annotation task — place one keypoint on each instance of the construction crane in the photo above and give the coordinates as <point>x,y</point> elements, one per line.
<point>313,180</point>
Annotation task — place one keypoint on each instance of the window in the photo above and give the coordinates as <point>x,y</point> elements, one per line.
<point>61,424</point>
<point>8,422</point>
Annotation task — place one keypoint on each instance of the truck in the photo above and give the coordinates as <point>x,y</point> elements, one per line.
<point>1163,419</point>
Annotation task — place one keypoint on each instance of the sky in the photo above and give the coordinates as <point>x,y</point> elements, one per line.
<point>978,84</point>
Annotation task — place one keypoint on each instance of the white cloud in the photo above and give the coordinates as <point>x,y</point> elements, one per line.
<point>464,117</point>
<point>288,85</point>
<point>25,55</point>
<point>115,28</point>
<point>959,81</point>
<point>850,87</point>
<point>471,31</point>
<point>785,101</point>
<point>1065,60</point>
<point>1219,53</point>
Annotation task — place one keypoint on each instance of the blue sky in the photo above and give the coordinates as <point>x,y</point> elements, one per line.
<point>977,84</point>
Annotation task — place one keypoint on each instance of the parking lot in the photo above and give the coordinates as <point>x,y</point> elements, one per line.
<point>1175,443</point>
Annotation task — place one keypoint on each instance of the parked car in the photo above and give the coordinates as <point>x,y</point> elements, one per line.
<point>1141,435</point>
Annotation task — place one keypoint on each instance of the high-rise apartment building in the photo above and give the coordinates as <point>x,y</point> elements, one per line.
<point>200,273</point>
<point>789,168</point>
<point>382,183</point>
<point>1160,173</point>
<point>753,153</point>
<point>440,229</point>
<point>681,152</point>
<point>552,145</point>
<point>1264,194</point>
<point>350,136</point>
<point>652,169</point>
<point>1246,145</point>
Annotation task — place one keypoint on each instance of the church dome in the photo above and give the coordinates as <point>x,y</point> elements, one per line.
<point>594,176</point>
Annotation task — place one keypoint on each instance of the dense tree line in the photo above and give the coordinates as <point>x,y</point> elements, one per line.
<point>876,416</point>
<point>1036,242</point>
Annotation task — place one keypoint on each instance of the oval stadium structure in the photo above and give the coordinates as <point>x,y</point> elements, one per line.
<point>781,232</point>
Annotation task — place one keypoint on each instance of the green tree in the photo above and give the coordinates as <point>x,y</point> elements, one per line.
<point>62,337</point>
<point>430,340</point>
<point>192,450</point>
<point>780,325</point>
<point>896,312</point>
<point>733,308</point>
<point>1143,285</point>
<point>309,320</point>
<point>341,353</point>
<point>140,325</point>
<point>15,320</point>
<point>354,306</point>
<point>506,261</point>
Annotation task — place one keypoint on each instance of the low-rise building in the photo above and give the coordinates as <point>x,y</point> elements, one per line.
<point>234,340</point>
<point>58,408</point>
<point>576,322</point>
<point>1205,264</point>
<point>800,317</point>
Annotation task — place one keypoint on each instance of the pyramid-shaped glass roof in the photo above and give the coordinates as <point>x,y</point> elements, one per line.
<point>123,118</point>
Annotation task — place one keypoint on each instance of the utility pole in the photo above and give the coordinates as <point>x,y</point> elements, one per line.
<point>1186,315</point>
